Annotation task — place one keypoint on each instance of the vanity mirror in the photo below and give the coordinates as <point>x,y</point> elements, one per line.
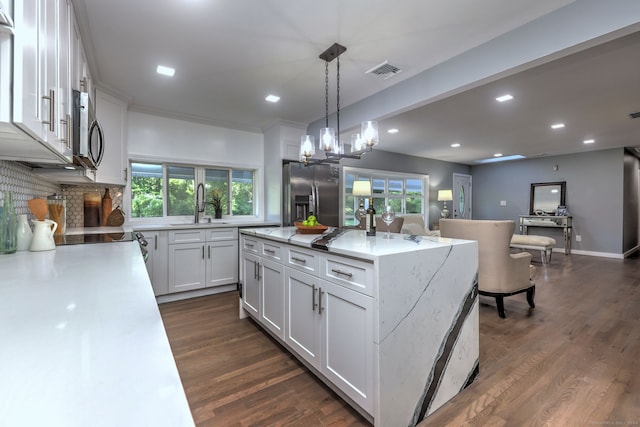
<point>546,197</point>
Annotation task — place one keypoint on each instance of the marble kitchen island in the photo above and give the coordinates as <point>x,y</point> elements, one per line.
<point>390,325</point>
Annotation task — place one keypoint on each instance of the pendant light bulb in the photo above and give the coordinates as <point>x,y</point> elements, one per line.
<point>369,132</point>
<point>327,139</point>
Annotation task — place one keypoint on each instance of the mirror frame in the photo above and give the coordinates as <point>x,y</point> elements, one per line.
<point>563,187</point>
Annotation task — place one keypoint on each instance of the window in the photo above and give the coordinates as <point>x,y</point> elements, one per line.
<point>406,193</point>
<point>146,190</point>
<point>168,190</point>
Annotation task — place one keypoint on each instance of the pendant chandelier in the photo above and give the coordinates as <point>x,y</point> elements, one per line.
<point>329,141</point>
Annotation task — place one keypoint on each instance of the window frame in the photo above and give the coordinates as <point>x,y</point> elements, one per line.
<point>200,177</point>
<point>377,174</point>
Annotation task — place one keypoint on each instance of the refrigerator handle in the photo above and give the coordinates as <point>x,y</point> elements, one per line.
<point>317,201</point>
<point>312,201</point>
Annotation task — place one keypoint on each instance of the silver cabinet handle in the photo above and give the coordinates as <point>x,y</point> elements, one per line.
<point>255,270</point>
<point>249,245</point>
<point>52,106</point>
<point>209,252</point>
<point>259,276</point>
<point>67,130</point>
<point>320,307</point>
<point>304,261</point>
<point>202,251</point>
<point>155,243</point>
<point>344,273</point>
<point>313,298</point>
<point>270,251</point>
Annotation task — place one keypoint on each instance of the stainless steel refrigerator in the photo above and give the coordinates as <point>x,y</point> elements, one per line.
<point>311,189</point>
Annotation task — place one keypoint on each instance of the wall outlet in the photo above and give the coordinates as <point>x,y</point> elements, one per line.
<point>503,203</point>
<point>578,238</point>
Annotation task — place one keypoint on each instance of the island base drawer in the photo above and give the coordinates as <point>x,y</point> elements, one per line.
<point>350,273</point>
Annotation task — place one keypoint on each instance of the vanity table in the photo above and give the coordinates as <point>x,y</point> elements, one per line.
<point>550,221</point>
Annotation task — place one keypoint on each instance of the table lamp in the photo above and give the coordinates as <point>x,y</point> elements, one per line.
<point>445,196</point>
<point>361,188</point>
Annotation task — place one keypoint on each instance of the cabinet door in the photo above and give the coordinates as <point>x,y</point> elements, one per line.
<point>302,322</point>
<point>222,263</point>
<point>347,341</point>
<point>272,283</point>
<point>27,66</point>
<point>157,261</point>
<point>112,115</point>
<point>64,99</point>
<point>186,267</point>
<point>250,284</point>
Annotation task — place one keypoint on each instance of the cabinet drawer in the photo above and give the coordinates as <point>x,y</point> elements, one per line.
<point>250,244</point>
<point>186,236</point>
<point>215,234</point>
<point>271,250</point>
<point>302,260</point>
<point>350,273</point>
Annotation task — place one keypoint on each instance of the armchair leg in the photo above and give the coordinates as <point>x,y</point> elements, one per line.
<point>531,293</point>
<point>500,304</point>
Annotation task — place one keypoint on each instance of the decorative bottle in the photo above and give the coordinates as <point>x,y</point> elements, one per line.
<point>371,219</point>
<point>24,233</point>
<point>107,206</point>
<point>8,225</point>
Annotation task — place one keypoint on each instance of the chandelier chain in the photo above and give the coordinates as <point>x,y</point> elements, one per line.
<point>326,93</point>
<point>338,100</point>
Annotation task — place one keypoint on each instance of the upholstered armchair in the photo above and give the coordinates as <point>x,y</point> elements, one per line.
<point>500,273</point>
<point>394,227</point>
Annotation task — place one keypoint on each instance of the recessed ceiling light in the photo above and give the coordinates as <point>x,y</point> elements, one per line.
<point>504,98</point>
<point>393,130</point>
<point>589,141</point>
<point>497,155</point>
<point>557,126</point>
<point>272,98</point>
<point>165,71</point>
<point>455,145</point>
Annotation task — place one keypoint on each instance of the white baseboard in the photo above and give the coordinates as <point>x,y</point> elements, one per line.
<point>195,293</point>
<point>560,251</point>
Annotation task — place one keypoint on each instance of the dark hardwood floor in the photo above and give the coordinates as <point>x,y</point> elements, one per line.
<point>574,360</point>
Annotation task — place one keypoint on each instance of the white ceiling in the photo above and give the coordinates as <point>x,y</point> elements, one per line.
<point>230,54</point>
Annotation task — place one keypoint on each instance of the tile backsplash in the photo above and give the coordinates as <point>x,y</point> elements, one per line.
<point>19,180</point>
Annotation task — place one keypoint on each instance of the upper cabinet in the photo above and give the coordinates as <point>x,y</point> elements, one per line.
<point>41,58</point>
<point>112,114</point>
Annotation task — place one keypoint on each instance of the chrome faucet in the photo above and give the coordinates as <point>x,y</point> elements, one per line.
<point>199,204</point>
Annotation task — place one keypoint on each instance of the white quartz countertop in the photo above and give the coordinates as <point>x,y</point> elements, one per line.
<point>355,243</point>
<point>83,343</point>
<point>216,223</point>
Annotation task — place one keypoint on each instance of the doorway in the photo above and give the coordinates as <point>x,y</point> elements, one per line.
<point>461,196</point>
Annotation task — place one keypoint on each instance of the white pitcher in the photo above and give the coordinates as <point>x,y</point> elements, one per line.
<point>43,235</point>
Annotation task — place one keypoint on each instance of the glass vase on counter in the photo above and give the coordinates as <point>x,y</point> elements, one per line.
<point>8,225</point>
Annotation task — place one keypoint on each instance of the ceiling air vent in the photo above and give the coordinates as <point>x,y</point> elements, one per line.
<point>635,115</point>
<point>384,70</point>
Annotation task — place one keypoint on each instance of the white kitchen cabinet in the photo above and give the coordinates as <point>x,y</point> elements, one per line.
<point>157,261</point>
<point>111,112</point>
<point>40,72</point>
<point>303,327</point>
<point>347,341</point>
<point>222,263</point>
<point>251,284</point>
<point>263,283</point>
<point>271,282</point>
<point>195,263</point>
<point>187,267</point>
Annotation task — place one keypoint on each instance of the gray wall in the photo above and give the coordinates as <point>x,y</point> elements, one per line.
<point>630,207</point>
<point>595,194</point>
<point>440,173</point>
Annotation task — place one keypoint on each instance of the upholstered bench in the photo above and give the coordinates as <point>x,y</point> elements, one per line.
<point>536,243</point>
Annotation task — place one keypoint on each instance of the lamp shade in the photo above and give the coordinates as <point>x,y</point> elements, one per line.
<point>361,188</point>
<point>445,195</point>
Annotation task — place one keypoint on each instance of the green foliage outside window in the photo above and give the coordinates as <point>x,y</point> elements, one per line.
<point>146,190</point>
